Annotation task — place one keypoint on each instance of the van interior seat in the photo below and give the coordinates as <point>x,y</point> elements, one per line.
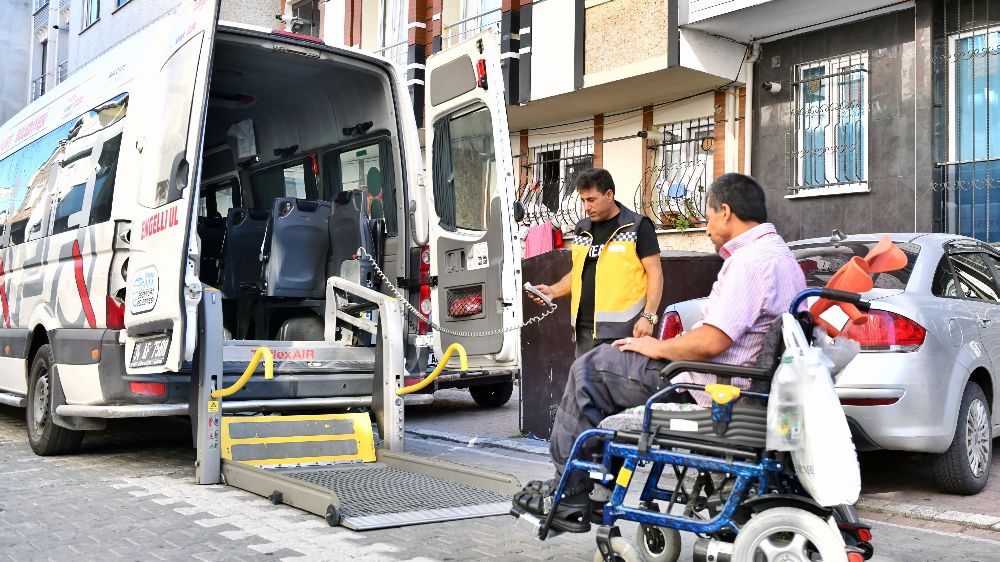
<point>212,232</point>
<point>297,248</point>
<point>242,267</point>
<point>349,229</point>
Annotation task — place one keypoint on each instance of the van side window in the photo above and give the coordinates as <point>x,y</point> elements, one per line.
<point>217,199</point>
<point>104,183</point>
<point>77,162</point>
<point>290,179</point>
<point>369,168</point>
<point>464,170</point>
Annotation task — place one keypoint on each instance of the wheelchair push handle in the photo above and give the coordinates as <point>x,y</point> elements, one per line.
<point>830,294</point>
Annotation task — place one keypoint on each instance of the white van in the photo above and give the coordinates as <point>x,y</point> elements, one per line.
<point>257,162</point>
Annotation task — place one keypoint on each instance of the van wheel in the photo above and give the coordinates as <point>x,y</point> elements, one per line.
<point>492,395</point>
<point>965,467</point>
<point>45,437</point>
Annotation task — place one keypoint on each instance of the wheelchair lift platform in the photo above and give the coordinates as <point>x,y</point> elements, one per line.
<point>328,464</point>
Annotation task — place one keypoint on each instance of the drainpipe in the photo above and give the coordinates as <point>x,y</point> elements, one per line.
<point>732,106</point>
<point>751,62</point>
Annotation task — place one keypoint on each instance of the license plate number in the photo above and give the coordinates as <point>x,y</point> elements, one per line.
<point>151,351</point>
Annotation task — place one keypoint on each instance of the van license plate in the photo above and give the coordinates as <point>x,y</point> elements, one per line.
<point>151,351</point>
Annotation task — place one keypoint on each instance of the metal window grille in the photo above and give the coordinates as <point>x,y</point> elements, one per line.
<point>549,194</point>
<point>472,25</point>
<point>306,18</point>
<point>63,71</point>
<point>680,174</point>
<point>828,139</point>
<point>37,87</point>
<point>41,17</point>
<point>64,5</point>
<point>397,54</point>
<point>966,72</point>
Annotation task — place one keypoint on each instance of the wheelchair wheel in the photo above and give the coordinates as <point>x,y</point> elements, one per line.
<point>623,551</point>
<point>658,544</point>
<point>788,533</point>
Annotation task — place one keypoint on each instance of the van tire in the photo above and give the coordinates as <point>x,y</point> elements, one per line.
<point>45,437</point>
<point>492,395</point>
<point>953,469</point>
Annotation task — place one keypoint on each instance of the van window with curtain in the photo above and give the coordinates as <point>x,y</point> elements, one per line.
<point>465,176</point>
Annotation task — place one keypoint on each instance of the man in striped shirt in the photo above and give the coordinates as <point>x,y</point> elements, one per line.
<point>757,282</point>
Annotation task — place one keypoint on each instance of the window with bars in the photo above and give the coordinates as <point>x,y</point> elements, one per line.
<point>829,118</point>
<point>549,194</point>
<point>680,175</point>
<point>306,18</point>
<point>970,176</point>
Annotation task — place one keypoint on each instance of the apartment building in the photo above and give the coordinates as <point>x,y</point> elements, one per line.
<point>610,83</point>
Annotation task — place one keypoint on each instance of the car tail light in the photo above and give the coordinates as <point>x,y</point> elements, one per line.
<point>887,331</point>
<point>114,313</point>
<point>855,557</point>
<point>671,326</point>
<point>865,535</point>
<point>148,388</point>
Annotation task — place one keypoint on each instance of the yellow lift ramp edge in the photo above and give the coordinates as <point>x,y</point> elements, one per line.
<point>328,464</point>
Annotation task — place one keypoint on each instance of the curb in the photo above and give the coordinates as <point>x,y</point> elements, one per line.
<point>517,445</point>
<point>926,513</point>
<point>874,505</point>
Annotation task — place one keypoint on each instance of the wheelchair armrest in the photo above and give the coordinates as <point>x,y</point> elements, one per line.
<point>716,369</point>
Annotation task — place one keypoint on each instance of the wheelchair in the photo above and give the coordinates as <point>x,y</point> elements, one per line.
<point>742,501</point>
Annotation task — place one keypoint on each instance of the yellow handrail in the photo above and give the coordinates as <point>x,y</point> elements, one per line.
<point>463,364</point>
<point>268,372</point>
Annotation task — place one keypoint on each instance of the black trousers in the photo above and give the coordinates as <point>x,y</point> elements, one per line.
<point>602,382</point>
<point>585,339</point>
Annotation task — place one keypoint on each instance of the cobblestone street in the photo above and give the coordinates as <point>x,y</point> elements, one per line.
<point>130,495</point>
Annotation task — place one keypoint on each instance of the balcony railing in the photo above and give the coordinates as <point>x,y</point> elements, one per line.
<point>38,87</point>
<point>395,53</point>
<point>41,17</point>
<point>63,71</point>
<point>463,29</point>
<point>64,5</point>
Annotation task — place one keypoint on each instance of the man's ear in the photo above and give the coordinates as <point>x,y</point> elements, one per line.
<point>726,212</point>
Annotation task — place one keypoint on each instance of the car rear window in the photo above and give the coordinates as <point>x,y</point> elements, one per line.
<point>820,261</point>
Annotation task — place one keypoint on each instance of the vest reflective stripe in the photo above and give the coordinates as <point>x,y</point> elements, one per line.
<point>620,278</point>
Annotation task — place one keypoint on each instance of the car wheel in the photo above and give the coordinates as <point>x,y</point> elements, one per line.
<point>492,395</point>
<point>965,467</point>
<point>44,436</point>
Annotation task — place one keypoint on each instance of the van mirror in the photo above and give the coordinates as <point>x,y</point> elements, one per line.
<point>518,212</point>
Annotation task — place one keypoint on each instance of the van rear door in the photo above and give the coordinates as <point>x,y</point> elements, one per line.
<point>473,192</point>
<point>163,285</point>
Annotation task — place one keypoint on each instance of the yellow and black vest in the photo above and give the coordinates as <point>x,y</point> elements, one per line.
<point>619,281</point>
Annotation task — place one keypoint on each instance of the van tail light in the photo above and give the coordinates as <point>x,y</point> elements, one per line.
<point>425,308</point>
<point>670,326</point>
<point>887,331</point>
<point>425,289</point>
<point>115,313</point>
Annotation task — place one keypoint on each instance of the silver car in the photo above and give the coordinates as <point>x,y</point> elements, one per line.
<point>925,380</point>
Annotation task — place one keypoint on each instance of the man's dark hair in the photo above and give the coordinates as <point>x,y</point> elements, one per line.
<point>742,193</point>
<point>595,177</point>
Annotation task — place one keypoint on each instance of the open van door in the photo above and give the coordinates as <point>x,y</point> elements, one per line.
<point>163,286</point>
<point>473,189</point>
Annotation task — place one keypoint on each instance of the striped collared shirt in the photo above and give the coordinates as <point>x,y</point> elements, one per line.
<point>758,280</point>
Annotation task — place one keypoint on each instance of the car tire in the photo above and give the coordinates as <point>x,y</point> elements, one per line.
<point>964,468</point>
<point>492,395</point>
<point>45,437</point>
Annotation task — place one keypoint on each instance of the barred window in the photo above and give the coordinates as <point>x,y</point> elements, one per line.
<point>549,193</point>
<point>680,175</point>
<point>830,124</point>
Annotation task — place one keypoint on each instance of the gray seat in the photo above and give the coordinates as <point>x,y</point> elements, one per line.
<point>297,247</point>
<point>349,230</point>
<point>212,232</point>
<point>242,267</point>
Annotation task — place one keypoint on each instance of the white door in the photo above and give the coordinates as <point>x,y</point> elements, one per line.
<point>164,289</point>
<point>473,190</point>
